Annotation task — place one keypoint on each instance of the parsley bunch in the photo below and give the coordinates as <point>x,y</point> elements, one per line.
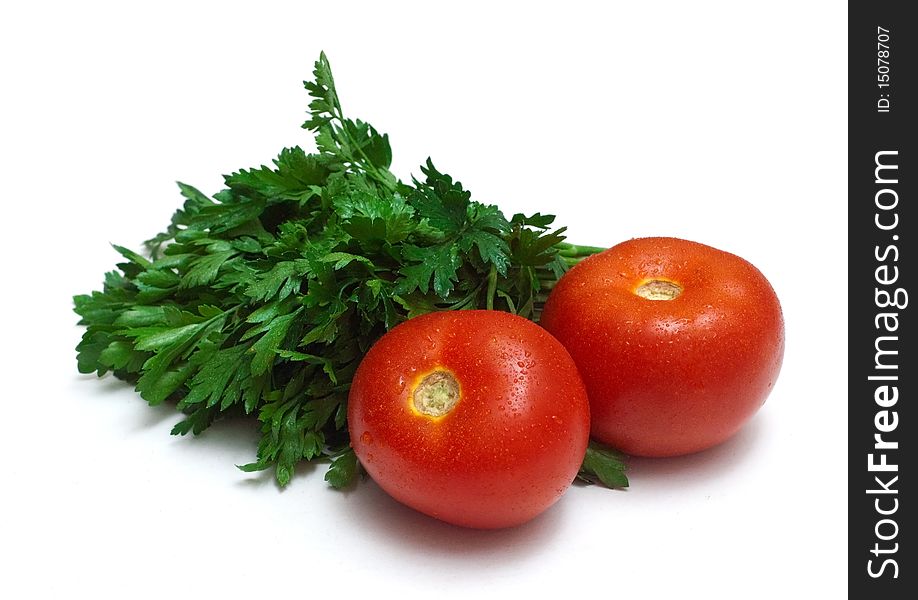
<point>263,299</point>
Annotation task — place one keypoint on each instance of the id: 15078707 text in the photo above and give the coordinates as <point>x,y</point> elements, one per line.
<point>883,60</point>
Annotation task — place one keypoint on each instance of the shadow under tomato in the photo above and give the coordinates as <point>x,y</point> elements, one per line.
<point>701,467</point>
<point>414,534</point>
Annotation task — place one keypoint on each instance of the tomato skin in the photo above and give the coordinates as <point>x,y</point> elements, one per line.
<point>511,445</point>
<point>669,377</point>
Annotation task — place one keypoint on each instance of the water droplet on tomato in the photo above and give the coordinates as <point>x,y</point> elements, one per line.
<point>366,438</point>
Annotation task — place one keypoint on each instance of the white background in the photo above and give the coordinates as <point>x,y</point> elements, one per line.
<point>724,123</point>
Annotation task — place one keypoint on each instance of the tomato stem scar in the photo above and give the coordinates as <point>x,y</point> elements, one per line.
<point>437,394</point>
<point>659,289</point>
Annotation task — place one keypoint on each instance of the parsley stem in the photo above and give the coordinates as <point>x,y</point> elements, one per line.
<point>570,261</point>
<point>573,251</point>
<point>492,287</point>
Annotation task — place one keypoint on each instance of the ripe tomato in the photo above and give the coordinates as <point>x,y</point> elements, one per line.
<point>478,418</point>
<point>678,343</point>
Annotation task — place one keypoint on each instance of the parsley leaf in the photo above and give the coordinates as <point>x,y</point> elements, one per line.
<point>603,465</point>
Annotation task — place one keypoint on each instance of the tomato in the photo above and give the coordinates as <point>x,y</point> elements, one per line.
<point>678,343</point>
<point>477,418</point>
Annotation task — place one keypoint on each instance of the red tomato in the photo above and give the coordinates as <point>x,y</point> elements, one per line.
<point>478,418</point>
<point>678,343</point>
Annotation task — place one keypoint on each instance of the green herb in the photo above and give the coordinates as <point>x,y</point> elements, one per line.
<point>603,465</point>
<point>262,299</point>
